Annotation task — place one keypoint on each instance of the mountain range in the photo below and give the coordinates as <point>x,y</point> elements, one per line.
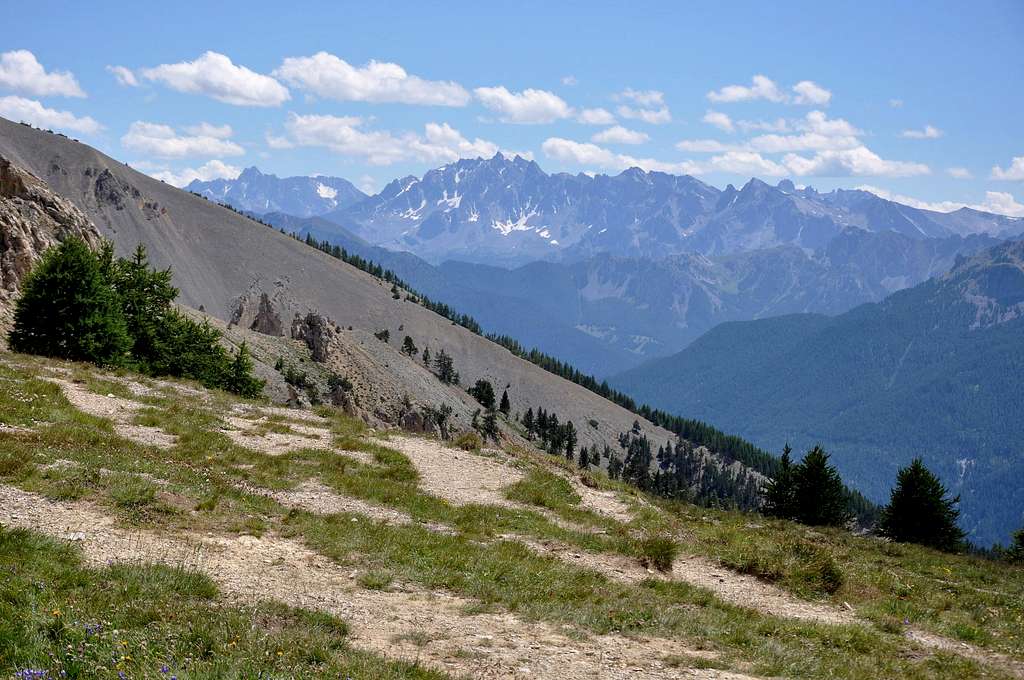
<point>256,192</point>
<point>932,371</point>
<point>508,211</point>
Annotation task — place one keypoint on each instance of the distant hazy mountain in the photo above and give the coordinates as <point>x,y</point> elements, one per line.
<point>609,313</point>
<point>509,211</point>
<point>256,192</point>
<point>934,371</point>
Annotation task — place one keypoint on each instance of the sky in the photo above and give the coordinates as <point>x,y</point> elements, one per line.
<point>923,103</point>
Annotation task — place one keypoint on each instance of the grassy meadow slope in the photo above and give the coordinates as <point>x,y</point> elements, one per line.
<point>150,524</point>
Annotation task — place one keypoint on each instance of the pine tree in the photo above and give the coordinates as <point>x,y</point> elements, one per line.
<point>489,428</point>
<point>1015,553</point>
<point>68,309</point>
<point>146,296</point>
<point>240,378</point>
<point>528,423</point>
<point>445,368</point>
<point>505,406</point>
<point>584,459</point>
<point>819,498</point>
<point>409,347</point>
<point>779,493</point>
<point>919,512</point>
<point>569,439</point>
<point>483,392</point>
<point>426,357</point>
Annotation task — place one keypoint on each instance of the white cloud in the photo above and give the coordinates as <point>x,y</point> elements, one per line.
<point>209,130</point>
<point>745,163</point>
<point>32,111</point>
<point>595,117</point>
<point>19,70</point>
<point>705,146</point>
<point>207,172</point>
<point>998,202</point>
<point>928,132</point>
<point>440,143</point>
<point>859,161</point>
<point>649,116</point>
<point>569,81</point>
<point>809,92</point>
<point>582,153</point>
<point>959,173</point>
<point>896,103</point>
<point>278,142</point>
<point>124,76</point>
<point>528,106</point>
<point>808,141</point>
<point>367,184</point>
<point>1015,171</point>
<point>719,120</point>
<point>331,77</point>
<point>646,98</point>
<point>620,135</point>
<point>214,75</point>
<point>777,125</point>
<point>162,141</point>
<point>761,87</point>
<point>817,121</point>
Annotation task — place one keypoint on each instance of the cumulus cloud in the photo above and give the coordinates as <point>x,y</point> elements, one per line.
<point>809,92</point>
<point>162,141</point>
<point>859,161</point>
<point>528,106</point>
<point>896,103</point>
<point>595,117</point>
<point>205,129</point>
<point>719,120</point>
<point>761,87</point>
<point>646,98</point>
<point>777,125</point>
<point>998,202</point>
<point>331,77</point>
<point>620,135</point>
<point>649,116</point>
<point>745,163</point>
<point>21,71</point>
<point>569,81</point>
<point>125,76</point>
<point>32,111</point>
<point>347,135</point>
<point>214,75</point>
<point>959,173</point>
<point>207,172</point>
<point>705,146</point>
<point>1015,171</point>
<point>583,153</point>
<point>928,132</point>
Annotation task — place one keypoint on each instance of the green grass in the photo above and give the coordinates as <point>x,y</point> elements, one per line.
<point>59,616</point>
<point>200,493</point>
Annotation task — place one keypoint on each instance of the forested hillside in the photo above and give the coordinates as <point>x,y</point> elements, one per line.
<point>933,371</point>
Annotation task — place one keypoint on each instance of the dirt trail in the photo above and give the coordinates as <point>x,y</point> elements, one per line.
<point>738,589</point>
<point>116,409</point>
<point>248,434</point>
<point>248,569</point>
<point>316,497</point>
<point>460,477</point>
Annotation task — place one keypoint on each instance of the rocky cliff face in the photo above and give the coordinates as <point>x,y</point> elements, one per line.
<point>32,218</point>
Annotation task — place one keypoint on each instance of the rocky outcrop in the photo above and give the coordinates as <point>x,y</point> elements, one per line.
<point>32,218</point>
<point>318,332</point>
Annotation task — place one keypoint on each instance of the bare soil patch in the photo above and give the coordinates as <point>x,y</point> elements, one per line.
<point>431,627</point>
<point>116,409</point>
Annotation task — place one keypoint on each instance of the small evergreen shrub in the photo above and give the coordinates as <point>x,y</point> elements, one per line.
<point>469,441</point>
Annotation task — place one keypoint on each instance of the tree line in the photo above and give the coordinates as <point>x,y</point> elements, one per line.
<point>89,306</point>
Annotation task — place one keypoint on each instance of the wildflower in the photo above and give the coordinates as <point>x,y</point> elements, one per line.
<point>165,670</point>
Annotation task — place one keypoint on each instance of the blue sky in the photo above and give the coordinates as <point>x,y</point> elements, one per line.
<point>920,102</point>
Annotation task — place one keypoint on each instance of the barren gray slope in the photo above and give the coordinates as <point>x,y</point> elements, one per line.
<point>218,255</point>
